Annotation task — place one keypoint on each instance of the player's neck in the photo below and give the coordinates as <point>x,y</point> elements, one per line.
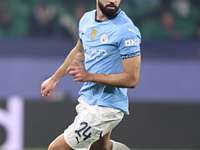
<point>100,16</point>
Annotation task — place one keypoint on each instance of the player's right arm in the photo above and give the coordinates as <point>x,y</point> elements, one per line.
<point>76,54</point>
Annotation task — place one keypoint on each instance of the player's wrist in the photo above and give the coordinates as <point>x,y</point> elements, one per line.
<point>54,79</point>
<point>91,77</point>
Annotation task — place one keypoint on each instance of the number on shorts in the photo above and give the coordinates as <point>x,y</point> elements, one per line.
<point>84,131</point>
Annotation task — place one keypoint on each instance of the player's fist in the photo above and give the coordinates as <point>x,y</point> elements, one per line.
<point>47,87</point>
<point>78,72</point>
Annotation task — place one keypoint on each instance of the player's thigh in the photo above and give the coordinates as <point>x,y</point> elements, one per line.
<point>91,124</point>
<point>102,143</point>
<point>59,143</point>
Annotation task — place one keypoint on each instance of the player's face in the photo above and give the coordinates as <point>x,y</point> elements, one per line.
<point>109,7</point>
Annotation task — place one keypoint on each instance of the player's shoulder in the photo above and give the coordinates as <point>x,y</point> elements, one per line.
<point>88,15</point>
<point>126,26</point>
<point>86,19</point>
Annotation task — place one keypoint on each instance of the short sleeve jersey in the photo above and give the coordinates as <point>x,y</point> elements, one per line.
<point>105,44</point>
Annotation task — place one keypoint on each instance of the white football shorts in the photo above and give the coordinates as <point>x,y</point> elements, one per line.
<point>91,123</point>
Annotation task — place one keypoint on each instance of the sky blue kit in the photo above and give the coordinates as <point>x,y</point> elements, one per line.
<point>105,44</point>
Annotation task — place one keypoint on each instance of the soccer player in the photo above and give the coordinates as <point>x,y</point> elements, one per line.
<point>109,47</point>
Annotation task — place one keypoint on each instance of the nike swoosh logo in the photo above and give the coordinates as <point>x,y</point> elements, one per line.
<point>85,30</point>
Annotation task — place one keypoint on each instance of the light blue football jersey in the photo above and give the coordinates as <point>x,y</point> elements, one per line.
<point>105,44</point>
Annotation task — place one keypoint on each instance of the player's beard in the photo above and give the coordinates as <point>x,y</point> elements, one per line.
<point>108,12</point>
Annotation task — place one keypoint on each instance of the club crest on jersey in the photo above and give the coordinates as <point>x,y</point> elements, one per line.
<point>93,34</point>
<point>104,38</point>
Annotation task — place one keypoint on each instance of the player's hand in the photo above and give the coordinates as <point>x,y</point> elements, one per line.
<point>78,72</point>
<point>47,87</point>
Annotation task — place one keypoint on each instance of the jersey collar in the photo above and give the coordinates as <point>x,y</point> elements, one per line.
<point>107,18</point>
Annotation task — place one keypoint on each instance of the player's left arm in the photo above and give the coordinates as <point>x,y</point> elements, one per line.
<point>129,78</point>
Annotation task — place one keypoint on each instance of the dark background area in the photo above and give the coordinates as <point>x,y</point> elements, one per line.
<point>149,125</point>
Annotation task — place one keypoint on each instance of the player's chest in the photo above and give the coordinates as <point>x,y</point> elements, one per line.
<point>99,35</point>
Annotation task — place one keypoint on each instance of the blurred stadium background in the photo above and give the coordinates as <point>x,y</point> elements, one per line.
<point>37,35</point>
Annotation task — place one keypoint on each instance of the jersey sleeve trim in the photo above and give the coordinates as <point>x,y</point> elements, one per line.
<point>125,56</point>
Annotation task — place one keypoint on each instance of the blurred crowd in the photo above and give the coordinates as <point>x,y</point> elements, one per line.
<point>167,19</point>
<point>157,19</point>
<point>40,18</point>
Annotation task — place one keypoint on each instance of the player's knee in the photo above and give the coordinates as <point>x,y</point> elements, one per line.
<point>53,146</point>
<point>101,146</point>
<point>59,146</point>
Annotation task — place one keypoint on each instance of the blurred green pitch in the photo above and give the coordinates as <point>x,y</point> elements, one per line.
<point>131,149</point>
